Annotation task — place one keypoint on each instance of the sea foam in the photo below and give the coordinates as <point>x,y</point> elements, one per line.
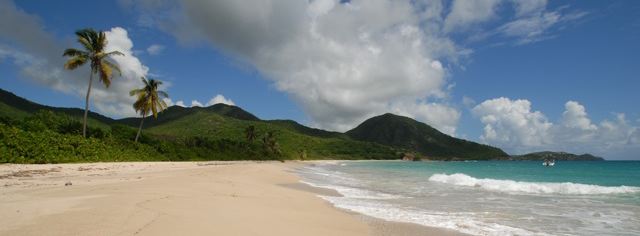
<point>462,222</point>
<point>510,186</point>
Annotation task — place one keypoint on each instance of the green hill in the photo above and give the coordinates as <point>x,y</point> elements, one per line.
<point>14,106</point>
<point>176,112</point>
<point>198,133</point>
<point>292,142</point>
<point>218,133</point>
<point>306,130</point>
<point>408,134</point>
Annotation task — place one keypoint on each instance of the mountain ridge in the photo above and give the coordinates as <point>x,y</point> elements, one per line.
<point>406,135</point>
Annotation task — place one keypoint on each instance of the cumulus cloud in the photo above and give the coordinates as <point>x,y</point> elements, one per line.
<point>220,99</point>
<point>345,61</point>
<point>342,62</point>
<point>575,127</point>
<point>513,125</point>
<point>37,54</point>
<point>155,49</point>
<point>168,101</point>
<point>196,103</point>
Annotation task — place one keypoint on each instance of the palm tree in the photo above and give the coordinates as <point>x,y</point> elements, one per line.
<point>250,133</point>
<point>94,44</point>
<point>270,143</point>
<point>149,100</point>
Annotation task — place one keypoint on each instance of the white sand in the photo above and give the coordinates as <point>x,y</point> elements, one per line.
<point>173,198</point>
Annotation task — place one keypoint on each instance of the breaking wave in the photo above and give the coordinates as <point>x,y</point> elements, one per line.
<point>510,186</point>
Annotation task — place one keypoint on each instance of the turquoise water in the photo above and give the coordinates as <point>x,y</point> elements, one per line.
<point>491,198</point>
<point>605,173</point>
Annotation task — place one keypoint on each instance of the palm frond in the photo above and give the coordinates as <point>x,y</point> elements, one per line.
<point>145,82</point>
<point>100,41</point>
<point>154,109</point>
<point>163,94</point>
<point>113,66</point>
<point>149,99</point>
<point>136,92</point>
<point>72,52</point>
<point>75,62</point>
<point>105,74</point>
<point>114,53</point>
<point>85,38</point>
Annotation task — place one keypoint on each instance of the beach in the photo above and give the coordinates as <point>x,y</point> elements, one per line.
<point>489,197</point>
<point>176,198</point>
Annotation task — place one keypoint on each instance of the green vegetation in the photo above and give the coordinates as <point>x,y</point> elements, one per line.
<point>290,142</point>
<point>33,133</point>
<point>412,136</point>
<point>54,135</point>
<point>48,137</point>
<point>94,44</point>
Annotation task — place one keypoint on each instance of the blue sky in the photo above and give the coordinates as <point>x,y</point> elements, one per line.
<point>524,76</point>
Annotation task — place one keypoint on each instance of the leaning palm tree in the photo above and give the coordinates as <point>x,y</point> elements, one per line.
<point>94,44</point>
<point>149,100</point>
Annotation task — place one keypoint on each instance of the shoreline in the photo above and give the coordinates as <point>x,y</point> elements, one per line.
<point>379,227</point>
<point>168,198</point>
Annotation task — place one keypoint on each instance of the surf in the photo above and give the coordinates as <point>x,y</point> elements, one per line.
<point>515,187</point>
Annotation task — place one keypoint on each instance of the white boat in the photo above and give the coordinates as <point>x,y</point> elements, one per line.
<point>549,163</point>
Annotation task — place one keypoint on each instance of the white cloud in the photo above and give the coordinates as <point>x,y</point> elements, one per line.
<point>468,102</point>
<point>528,7</point>
<point>168,101</point>
<point>155,49</point>
<point>195,103</point>
<point>345,62</point>
<point>342,62</point>
<point>132,70</point>
<point>37,54</point>
<point>532,22</point>
<point>220,99</point>
<point>512,125</point>
<point>575,117</point>
<point>465,13</point>
<point>535,22</point>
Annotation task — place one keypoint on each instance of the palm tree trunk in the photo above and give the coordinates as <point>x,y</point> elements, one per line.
<point>140,128</point>
<point>86,107</point>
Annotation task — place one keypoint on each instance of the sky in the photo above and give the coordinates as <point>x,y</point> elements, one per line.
<point>520,75</point>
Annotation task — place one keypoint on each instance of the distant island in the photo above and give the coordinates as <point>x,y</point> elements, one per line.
<point>558,156</point>
<point>35,133</point>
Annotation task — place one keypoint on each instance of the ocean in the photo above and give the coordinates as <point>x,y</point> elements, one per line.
<point>490,197</point>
